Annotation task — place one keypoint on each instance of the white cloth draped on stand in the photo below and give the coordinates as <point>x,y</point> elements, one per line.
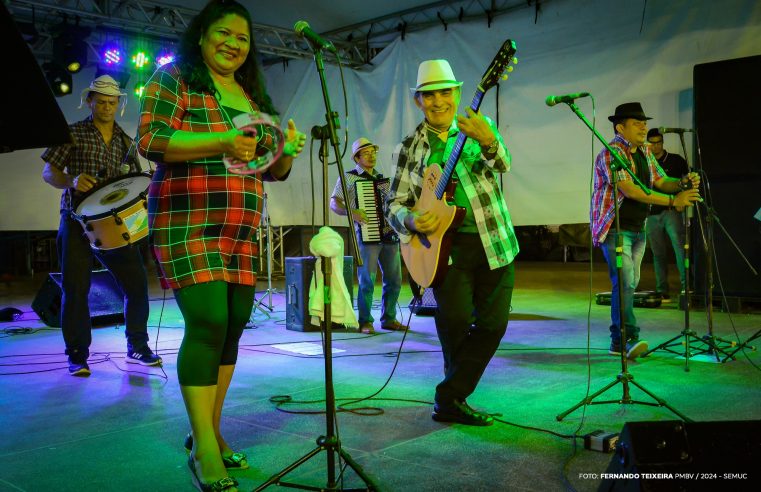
<point>329,244</point>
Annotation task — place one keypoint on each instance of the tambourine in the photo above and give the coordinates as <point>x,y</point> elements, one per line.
<point>268,150</point>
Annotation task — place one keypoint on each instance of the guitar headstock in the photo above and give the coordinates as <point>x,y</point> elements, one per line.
<point>499,65</point>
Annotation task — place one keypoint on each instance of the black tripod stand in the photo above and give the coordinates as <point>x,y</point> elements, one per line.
<point>731,348</point>
<point>330,442</point>
<point>688,336</point>
<point>624,377</point>
<point>259,303</point>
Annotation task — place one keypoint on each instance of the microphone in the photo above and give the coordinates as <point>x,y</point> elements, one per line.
<point>565,98</point>
<point>664,129</point>
<point>302,29</point>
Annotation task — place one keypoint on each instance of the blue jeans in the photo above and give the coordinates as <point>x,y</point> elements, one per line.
<point>387,256</point>
<point>662,228</point>
<point>633,250</point>
<point>125,264</point>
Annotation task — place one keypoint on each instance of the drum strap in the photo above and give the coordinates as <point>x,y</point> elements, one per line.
<point>130,159</point>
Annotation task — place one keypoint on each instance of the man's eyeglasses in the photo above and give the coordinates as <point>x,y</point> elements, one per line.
<point>367,153</point>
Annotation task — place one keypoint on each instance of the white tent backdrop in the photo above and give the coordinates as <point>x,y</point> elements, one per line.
<point>593,45</point>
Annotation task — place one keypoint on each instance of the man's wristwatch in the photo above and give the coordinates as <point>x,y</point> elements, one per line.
<point>492,148</point>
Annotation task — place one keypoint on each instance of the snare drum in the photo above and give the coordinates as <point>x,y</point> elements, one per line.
<point>114,213</point>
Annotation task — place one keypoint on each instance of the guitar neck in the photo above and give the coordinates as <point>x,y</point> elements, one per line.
<point>448,171</point>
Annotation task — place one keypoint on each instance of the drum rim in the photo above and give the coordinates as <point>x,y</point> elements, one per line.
<point>94,189</point>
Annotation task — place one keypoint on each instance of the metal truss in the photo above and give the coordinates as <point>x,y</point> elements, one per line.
<point>155,22</point>
<point>377,33</point>
<point>41,22</point>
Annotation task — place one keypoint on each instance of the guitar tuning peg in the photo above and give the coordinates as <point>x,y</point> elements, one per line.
<point>510,68</point>
<point>515,60</point>
<point>504,76</point>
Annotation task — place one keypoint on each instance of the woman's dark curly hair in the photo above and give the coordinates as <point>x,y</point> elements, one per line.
<point>196,73</point>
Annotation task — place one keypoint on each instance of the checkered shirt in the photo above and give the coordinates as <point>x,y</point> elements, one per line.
<point>89,154</point>
<point>351,178</point>
<point>602,210</point>
<point>477,175</point>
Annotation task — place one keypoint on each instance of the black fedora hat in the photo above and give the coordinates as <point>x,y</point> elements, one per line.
<point>629,110</point>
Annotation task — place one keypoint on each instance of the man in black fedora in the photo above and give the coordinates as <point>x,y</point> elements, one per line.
<point>630,126</point>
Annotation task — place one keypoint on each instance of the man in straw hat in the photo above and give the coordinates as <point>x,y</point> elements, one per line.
<point>385,253</point>
<point>101,152</point>
<point>630,126</point>
<point>473,301</point>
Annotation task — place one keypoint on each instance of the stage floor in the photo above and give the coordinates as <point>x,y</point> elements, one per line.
<point>123,427</point>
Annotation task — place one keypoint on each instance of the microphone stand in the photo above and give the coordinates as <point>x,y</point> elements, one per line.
<point>708,243</point>
<point>624,377</point>
<point>259,303</point>
<point>330,442</point>
<point>688,334</point>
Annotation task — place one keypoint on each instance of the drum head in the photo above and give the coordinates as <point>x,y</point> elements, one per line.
<point>112,194</point>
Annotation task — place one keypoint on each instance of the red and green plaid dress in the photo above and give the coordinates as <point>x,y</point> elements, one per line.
<point>202,219</point>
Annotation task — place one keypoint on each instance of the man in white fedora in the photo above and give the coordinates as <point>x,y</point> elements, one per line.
<point>384,253</point>
<point>101,152</point>
<point>473,300</point>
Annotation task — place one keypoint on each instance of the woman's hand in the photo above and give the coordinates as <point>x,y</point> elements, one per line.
<point>239,145</point>
<point>294,140</point>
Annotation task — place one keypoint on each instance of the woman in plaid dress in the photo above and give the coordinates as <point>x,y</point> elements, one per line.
<point>202,218</point>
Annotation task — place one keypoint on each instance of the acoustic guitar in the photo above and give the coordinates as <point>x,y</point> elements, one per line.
<point>426,255</point>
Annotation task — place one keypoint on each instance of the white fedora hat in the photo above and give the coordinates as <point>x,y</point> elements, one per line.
<point>361,144</point>
<point>433,75</point>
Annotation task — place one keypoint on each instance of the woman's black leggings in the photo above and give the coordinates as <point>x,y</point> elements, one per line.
<point>215,314</point>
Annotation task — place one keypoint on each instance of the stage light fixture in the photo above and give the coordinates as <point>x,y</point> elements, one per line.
<point>140,60</point>
<point>140,88</point>
<point>58,78</point>
<point>70,50</point>
<point>112,56</point>
<point>162,60</point>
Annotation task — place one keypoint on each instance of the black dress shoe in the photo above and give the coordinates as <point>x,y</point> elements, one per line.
<point>460,412</point>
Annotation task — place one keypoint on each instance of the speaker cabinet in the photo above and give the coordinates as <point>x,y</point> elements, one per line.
<point>105,300</point>
<point>726,119</point>
<point>298,275</point>
<point>676,455</point>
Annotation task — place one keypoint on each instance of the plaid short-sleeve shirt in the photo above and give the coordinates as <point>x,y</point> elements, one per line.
<point>91,155</point>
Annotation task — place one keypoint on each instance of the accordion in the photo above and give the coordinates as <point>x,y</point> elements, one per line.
<point>370,197</point>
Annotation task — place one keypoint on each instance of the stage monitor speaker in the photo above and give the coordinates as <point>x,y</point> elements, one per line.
<point>422,303</point>
<point>675,455</point>
<point>298,275</point>
<point>105,300</point>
